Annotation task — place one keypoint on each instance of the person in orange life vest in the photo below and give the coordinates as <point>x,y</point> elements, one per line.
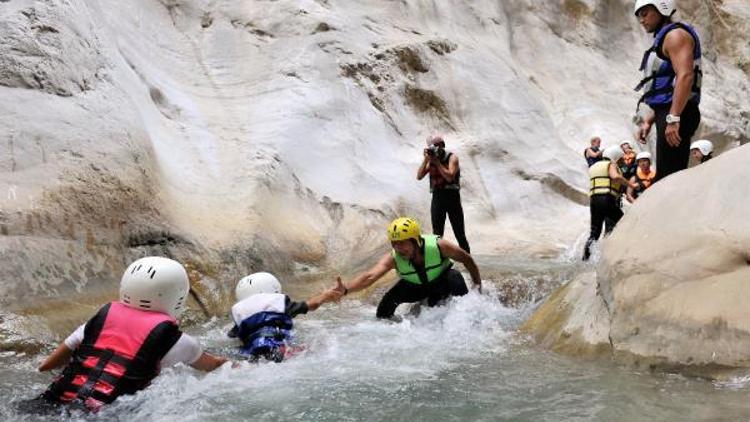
<point>643,178</point>
<point>445,185</point>
<point>123,347</point>
<point>424,265</point>
<point>628,166</point>
<point>263,316</point>
<point>593,154</point>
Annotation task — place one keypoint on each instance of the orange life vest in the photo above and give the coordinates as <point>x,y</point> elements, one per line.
<point>644,180</point>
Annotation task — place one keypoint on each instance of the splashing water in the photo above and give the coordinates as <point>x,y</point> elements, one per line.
<point>461,361</point>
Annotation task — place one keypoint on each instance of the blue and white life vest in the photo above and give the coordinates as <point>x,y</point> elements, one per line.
<point>659,75</point>
<point>262,324</point>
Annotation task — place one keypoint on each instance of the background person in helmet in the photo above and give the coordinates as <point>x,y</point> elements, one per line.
<point>593,153</point>
<point>123,347</point>
<point>424,265</point>
<point>702,150</point>
<point>628,165</point>
<point>445,175</point>
<point>263,315</point>
<point>643,178</point>
<point>672,83</point>
<point>606,183</point>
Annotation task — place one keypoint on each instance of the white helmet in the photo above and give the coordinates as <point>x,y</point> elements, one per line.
<point>644,155</point>
<point>256,283</point>
<point>155,284</point>
<point>705,146</point>
<point>665,7</point>
<point>614,153</point>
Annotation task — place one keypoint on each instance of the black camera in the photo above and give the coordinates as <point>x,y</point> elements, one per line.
<point>432,150</point>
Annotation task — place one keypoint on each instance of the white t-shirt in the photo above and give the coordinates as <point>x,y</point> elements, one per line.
<point>187,349</point>
<point>261,302</point>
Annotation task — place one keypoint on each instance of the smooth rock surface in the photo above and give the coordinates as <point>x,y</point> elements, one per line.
<point>671,287</point>
<point>240,136</point>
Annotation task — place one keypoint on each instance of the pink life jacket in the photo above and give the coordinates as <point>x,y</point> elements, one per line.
<point>120,354</point>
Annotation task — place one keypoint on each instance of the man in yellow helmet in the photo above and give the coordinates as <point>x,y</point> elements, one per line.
<point>423,263</point>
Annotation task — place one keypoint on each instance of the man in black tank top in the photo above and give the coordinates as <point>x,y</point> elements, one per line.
<point>445,174</point>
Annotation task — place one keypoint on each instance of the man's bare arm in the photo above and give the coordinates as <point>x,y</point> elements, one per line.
<point>56,359</point>
<point>367,278</point>
<point>453,251</point>
<point>678,47</point>
<point>208,362</point>
<point>448,172</point>
<point>424,168</point>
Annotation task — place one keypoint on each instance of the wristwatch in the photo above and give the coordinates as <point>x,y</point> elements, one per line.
<point>671,118</point>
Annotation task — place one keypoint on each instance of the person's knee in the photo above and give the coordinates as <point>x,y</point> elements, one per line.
<point>386,308</point>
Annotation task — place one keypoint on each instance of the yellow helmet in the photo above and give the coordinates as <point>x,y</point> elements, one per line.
<point>404,228</point>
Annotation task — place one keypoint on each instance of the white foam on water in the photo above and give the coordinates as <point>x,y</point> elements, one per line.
<point>348,355</point>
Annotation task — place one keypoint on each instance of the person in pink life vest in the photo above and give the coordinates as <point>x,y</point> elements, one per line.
<point>125,345</point>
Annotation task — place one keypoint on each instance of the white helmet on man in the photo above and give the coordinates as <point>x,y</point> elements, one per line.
<point>155,284</point>
<point>614,153</point>
<point>643,155</point>
<point>665,7</point>
<point>256,283</point>
<point>704,145</point>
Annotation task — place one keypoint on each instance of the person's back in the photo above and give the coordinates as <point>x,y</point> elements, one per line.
<point>605,188</point>
<point>119,354</point>
<point>263,316</point>
<point>123,347</point>
<point>262,326</point>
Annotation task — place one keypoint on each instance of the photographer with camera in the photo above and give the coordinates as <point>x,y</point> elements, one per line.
<point>444,171</point>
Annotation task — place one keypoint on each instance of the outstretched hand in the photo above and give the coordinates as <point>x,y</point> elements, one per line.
<point>339,288</point>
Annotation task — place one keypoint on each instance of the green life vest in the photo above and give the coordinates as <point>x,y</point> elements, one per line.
<point>434,263</point>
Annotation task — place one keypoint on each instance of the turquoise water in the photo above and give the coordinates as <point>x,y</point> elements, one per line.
<point>463,361</point>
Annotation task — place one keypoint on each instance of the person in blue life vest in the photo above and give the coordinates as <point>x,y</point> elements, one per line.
<point>593,153</point>
<point>263,316</point>
<point>424,265</point>
<point>672,84</point>
<point>124,346</point>
<point>702,150</point>
<point>444,173</point>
